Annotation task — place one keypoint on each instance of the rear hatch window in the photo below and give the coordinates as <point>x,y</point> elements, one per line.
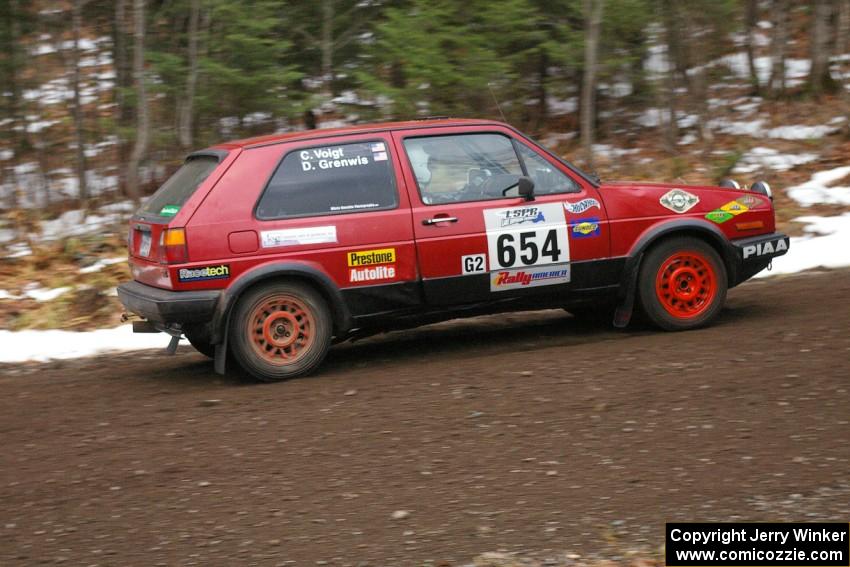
<point>168,199</point>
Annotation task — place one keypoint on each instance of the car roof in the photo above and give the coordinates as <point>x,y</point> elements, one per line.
<point>355,129</point>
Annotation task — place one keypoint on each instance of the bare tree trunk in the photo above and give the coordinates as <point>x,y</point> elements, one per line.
<point>819,77</point>
<point>593,13</point>
<point>842,46</point>
<point>121,115</point>
<point>750,19</point>
<point>187,108</point>
<point>79,154</point>
<point>327,47</point>
<point>142,118</point>
<point>671,126</point>
<point>778,47</point>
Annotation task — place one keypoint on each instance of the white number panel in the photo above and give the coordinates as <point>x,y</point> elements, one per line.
<point>525,236</point>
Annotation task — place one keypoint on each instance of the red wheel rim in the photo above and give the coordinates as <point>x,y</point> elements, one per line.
<point>686,284</point>
<point>280,329</point>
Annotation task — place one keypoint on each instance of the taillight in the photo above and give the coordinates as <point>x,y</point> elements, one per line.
<point>172,246</point>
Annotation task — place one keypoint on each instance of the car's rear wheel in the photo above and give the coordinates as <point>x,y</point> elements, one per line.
<point>280,330</point>
<point>201,344</point>
<point>682,284</point>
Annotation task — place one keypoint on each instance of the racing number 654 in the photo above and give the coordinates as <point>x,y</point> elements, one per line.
<point>524,248</point>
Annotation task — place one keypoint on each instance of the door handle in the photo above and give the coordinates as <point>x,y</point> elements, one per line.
<point>436,220</point>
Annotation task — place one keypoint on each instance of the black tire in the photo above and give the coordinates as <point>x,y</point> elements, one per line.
<point>682,284</point>
<point>595,315</point>
<point>280,330</point>
<point>201,344</point>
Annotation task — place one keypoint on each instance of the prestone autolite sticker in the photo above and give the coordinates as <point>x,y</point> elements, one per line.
<point>371,265</point>
<point>678,201</point>
<point>220,272</point>
<point>298,236</point>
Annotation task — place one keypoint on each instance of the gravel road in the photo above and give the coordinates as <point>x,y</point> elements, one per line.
<point>529,433</point>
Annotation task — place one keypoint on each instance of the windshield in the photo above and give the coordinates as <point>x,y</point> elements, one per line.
<point>168,199</point>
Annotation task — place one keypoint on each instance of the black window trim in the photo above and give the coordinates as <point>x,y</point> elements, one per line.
<point>513,140</point>
<point>298,148</point>
<point>218,154</point>
<point>531,149</point>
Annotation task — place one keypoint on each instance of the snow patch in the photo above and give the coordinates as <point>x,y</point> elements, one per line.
<point>824,246</point>
<point>611,152</point>
<point>817,190</point>
<point>21,346</point>
<point>40,294</point>
<point>768,158</point>
<point>100,264</point>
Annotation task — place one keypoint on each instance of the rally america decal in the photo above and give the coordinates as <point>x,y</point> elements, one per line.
<point>581,206</point>
<point>220,272</point>
<point>530,277</point>
<point>523,243</point>
<point>371,265</point>
<point>678,201</point>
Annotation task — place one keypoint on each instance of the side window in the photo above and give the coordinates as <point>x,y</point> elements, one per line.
<point>463,167</point>
<point>547,179</point>
<point>327,180</point>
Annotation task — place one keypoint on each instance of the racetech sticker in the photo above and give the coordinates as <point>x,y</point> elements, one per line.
<point>220,272</point>
<point>529,277</point>
<point>526,236</point>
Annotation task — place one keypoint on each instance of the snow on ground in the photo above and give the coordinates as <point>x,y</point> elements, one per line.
<point>76,223</point>
<point>819,189</point>
<point>611,152</point>
<point>824,246</point>
<point>21,346</point>
<point>100,264</point>
<point>756,129</point>
<point>767,158</point>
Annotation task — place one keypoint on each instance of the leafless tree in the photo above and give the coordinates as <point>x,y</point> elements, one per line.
<point>820,79</point>
<point>750,20</point>
<point>778,43</point>
<point>593,15</point>
<point>79,137</point>
<point>186,107</point>
<point>142,117</point>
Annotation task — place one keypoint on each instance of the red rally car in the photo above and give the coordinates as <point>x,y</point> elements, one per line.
<point>269,249</point>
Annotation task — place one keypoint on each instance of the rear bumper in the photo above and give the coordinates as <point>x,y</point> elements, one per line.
<point>165,306</point>
<point>754,254</point>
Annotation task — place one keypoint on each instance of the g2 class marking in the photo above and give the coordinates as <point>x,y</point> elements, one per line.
<point>473,264</point>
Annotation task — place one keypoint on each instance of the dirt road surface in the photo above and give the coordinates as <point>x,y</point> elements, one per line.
<point>527,433</point>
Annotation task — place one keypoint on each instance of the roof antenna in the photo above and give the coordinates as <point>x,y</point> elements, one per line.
<point>490,87</point>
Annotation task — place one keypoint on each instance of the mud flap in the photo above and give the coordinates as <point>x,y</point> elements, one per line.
<point>220,360</point>
<point>626,307</point>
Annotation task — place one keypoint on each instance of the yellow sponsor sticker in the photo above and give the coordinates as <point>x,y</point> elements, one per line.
<point>371,257</point>
<point>735,208</point>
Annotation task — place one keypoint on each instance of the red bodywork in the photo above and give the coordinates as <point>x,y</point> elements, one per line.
<point>221,227</point>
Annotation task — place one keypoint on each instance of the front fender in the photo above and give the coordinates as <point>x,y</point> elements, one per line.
<point>682,226</point>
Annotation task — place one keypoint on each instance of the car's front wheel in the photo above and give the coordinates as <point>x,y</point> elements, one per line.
<point>682,284</point>
<point>280,330</point>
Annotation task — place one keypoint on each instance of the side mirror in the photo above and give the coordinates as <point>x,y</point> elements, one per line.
<point>525,187</point>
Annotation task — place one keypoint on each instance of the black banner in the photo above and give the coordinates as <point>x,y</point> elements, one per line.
<point>764,545</point>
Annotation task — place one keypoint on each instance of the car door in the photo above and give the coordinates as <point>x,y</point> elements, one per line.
<point>476,238</point>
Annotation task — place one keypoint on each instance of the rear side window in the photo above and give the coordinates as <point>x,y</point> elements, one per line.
<point>170,197</point>
<point>328,180</point>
